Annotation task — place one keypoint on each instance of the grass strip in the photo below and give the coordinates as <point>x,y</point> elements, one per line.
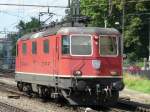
<point>137,83</point>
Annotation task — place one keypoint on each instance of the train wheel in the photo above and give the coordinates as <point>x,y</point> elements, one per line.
<point>27,88</point>
<point>20,86</point>
<point>115,95</point>
<point>44,93</point>
<point>114,98</point>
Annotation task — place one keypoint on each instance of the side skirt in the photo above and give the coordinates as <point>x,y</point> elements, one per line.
<point>45,80</point>
<point>62,82</point>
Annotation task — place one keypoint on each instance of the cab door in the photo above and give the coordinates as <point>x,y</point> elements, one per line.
<point>55,55</point>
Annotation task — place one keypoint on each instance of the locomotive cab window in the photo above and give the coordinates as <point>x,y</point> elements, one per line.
<point>81,45</point>
<point>34,47</point>
<point>108,45</point>
<point>46,46</point>
<point>65,45</point>
<point>24,48</point>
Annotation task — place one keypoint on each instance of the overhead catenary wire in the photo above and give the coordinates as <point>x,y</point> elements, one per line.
<point>4,32</point>
<point>36,6</point>
<point>15,15</point>
<point>29,5</point>
<point>5,12</point>
<point>53,6</point>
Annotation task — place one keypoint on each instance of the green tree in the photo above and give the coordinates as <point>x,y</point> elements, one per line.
<point>14,40</point>
<point>23,28</point>
<point>136,30</point>
<point>26,27</point>
<point>132,39</point>
<point>136,23</point>
<point>96,9</point>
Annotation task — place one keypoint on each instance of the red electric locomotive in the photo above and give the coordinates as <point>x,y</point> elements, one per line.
<point>81,64</point>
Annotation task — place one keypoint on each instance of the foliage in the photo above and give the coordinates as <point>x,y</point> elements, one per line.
<point>26,27</point>
<point>14,40</point>
<point>95,10</point>
<point>136,32</point>
<point>136,22</point>
<point>134,82</point>
<point>23,27</point>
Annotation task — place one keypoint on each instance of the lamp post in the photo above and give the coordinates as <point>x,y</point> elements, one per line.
<point>149,42</point>
<point>123,23</point>
<point>123,17</point>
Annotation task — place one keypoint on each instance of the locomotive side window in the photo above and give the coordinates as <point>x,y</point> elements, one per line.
<point>46,46</point>
<point>24,48</point>
<point>65,44</point>
<point>108,45</point>
<point>81,45</point>
<point>34,47</point>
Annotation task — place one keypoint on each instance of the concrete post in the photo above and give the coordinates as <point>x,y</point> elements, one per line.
<point>145,64</point>
<point>149,43</point>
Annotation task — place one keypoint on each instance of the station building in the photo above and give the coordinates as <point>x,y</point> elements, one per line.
<point>6,58</point>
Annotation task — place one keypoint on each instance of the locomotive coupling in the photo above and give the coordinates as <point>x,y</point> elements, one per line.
<point>119,85</point>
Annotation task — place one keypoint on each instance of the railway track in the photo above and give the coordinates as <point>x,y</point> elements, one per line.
<point>7,70</point>
<point>9,108</point>
<point>10,89</point>
<point>15,94</point>
<point>7,73</point>
<point>133,106</point>
<point>124,104</point>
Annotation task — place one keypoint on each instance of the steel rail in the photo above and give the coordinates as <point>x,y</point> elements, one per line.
<point>134,106</point>
<point>124,104</point>
<point>16,94</point>
<point>9,108</point>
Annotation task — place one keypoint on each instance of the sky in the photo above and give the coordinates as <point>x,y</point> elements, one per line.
<point>10,15</point>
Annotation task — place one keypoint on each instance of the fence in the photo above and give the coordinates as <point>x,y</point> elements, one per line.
<point>7,63</point>
<point>138,68</point>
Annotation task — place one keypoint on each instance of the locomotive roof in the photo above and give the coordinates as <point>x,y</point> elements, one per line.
<point>72,30</point>
<point>88,30</point>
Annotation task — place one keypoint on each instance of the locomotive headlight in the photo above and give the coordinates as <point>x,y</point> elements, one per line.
<point>96,64</point>
<point>96,37</point>
<point>77,73</point>
<point>114,73</point>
